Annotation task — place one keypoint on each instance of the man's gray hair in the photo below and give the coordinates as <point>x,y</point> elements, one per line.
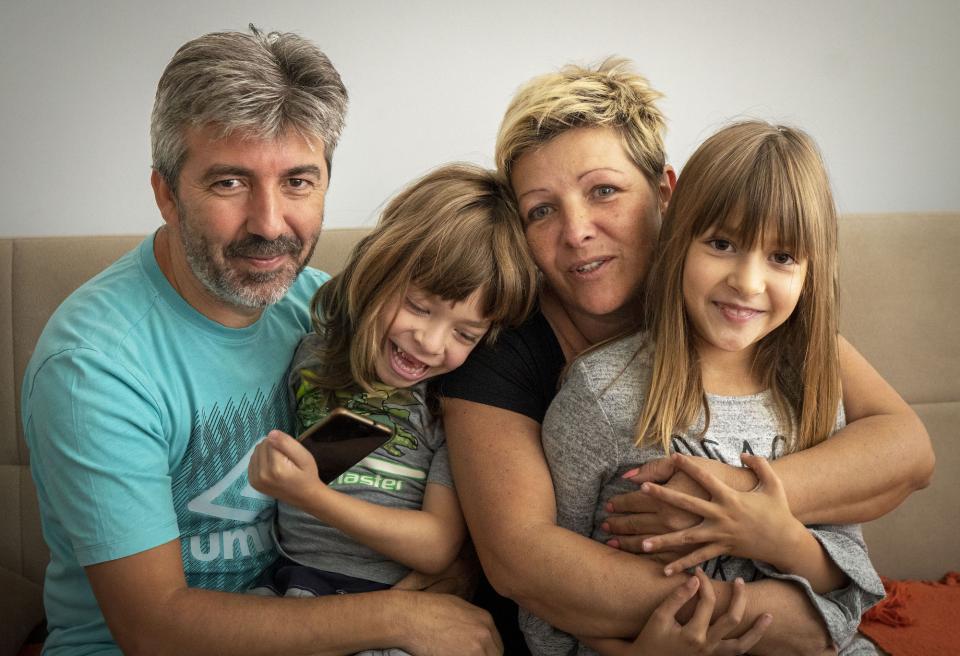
<point>260,84</point>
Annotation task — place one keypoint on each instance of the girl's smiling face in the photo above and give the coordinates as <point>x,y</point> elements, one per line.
<point>734,296</point>
<point>427,336</point>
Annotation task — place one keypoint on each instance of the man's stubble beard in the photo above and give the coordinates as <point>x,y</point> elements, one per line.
<point>248,289</point>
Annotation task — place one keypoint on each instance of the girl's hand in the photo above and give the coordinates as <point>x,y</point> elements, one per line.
<point>755,524</point>
<point>662,634</point>
<point>636,516</point>
<point>282,468</point>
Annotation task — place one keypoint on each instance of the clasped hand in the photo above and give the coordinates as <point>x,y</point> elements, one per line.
<point>709,518</point>
<point>282,468</point>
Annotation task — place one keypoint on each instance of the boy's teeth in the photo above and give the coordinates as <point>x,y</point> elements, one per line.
<point>586,268</point>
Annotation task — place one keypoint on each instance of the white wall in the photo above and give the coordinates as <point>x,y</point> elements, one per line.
<point>876,83</point>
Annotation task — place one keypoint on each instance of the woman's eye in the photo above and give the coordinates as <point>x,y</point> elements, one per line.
<point>538,212</point>
<point>602,191</point>
<point>720,244</point>
<point>783,258</point>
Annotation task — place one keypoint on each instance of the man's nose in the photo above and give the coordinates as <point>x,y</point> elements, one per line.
<point>265,213</point>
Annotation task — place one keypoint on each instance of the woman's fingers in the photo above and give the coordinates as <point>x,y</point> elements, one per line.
<point>681,500</point>
<point>691,468</point>
<point>766,476</point>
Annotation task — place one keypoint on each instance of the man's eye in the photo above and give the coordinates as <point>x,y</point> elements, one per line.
<point>229,183</point>
<point>298,183</point>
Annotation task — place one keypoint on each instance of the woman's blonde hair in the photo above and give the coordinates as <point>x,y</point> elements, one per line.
<point>450,233</point>
<point>609,95</point>
<point>750,179</point>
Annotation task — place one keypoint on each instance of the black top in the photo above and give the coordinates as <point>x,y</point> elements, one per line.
<point>520,372</point>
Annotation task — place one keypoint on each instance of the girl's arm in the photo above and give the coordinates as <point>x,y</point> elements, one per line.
<point>756,524</point>
<point>863,472</point>
<point>427,540</point>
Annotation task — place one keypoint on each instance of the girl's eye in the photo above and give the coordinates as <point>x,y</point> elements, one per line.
<point>538,212</point>
<point>720,245</point>
<point>783,258</point>
<point>469,338</point>
<point>416,308</point>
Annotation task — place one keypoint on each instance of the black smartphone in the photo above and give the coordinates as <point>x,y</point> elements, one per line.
<point>342,439</point>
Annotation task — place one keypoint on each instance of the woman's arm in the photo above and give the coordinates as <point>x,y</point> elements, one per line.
<point>868,468</point>
<point>863,472</point>
<point>575,583</point>
<point>426,540</point>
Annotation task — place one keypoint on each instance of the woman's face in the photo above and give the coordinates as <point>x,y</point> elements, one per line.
<point>591,219</point>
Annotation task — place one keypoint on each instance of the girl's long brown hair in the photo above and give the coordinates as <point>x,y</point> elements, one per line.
<point>450,233</point>
<point>750,178</point>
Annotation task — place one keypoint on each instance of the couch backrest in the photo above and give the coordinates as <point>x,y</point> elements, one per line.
<point>901,307</point>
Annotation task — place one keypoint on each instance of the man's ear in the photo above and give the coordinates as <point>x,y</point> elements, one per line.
<point>165,197</point>
<point>668,182</point>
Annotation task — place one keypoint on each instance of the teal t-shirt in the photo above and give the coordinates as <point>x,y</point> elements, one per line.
<point>140,415</point>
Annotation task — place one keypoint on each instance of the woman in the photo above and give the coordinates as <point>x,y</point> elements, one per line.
<point>583,152</point>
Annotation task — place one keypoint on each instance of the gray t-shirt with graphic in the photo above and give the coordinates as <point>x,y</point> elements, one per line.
<point>588,439</point>
<point>395,475</point>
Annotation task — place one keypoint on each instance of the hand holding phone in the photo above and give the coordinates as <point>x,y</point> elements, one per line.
<point>342,439</point>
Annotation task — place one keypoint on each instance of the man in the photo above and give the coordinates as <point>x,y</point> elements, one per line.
<point>152,383</point>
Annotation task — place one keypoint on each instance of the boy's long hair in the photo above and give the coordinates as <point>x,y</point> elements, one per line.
<point>750,179</point>
<point>450,233</point>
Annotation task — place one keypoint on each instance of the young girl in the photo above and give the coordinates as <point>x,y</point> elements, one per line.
<point>444,269</point>
<point>739,360</point>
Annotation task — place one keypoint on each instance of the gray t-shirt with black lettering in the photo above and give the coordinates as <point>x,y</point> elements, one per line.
<point>588,439</point>
<point>395,475</point>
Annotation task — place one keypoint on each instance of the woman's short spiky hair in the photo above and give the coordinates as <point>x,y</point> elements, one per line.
<point>609,95</point>
<point>261,84</point>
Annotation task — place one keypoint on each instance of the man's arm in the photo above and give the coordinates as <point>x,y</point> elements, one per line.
<point>575,583</point>
<point>150,610</point>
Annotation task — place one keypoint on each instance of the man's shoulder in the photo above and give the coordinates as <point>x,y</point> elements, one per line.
<point>304,287</point>
<point>102,310</point>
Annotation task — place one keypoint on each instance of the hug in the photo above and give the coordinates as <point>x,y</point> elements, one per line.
<point>618,398</point>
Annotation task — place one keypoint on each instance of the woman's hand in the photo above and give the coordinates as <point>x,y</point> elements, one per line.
<point>755,524</point>
<point>637,515</point>
<point>664,635</point>
<point>282,468</point>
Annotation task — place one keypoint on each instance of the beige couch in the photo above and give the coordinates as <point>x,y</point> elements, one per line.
<point>901,307</point>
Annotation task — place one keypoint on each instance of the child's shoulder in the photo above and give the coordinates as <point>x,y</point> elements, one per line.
<point>621,363</point>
